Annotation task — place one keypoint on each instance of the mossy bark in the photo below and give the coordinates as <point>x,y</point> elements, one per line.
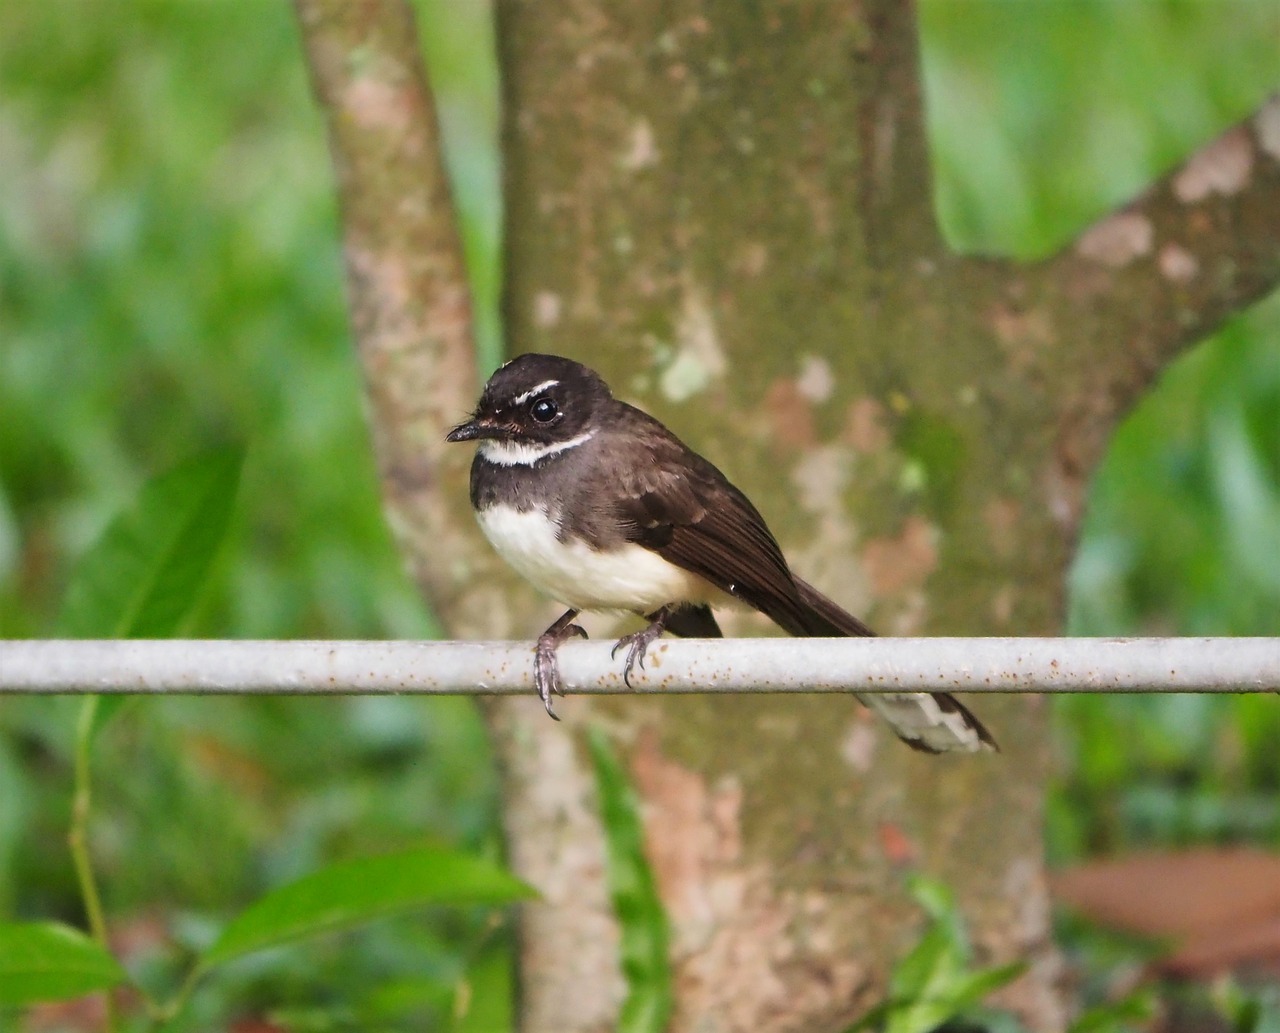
<point>725,208</point>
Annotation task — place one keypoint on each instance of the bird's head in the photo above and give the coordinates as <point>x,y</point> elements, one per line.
<point>532,407</point>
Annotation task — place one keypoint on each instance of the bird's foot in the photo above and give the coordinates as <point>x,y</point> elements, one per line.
<point>546,665</point>
<point>638,642</point>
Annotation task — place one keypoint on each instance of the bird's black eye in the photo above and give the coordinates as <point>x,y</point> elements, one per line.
<point>544,410</point>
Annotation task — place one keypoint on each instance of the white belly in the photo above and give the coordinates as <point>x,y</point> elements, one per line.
<point>630,578</point>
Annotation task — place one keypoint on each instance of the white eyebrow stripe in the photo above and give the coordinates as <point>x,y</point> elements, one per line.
<point>511,453</point>
<point>521,399</point>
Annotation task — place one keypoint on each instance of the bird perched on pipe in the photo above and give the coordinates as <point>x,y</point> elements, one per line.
<point>601,507</point>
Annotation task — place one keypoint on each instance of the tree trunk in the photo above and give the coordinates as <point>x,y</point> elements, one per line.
<point>726,210</point>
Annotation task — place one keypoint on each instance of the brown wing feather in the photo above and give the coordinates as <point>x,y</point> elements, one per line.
<point>827,619</point>
<point>684,509</point>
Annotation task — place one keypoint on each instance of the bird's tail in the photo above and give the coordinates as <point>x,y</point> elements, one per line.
<point>933,722</point>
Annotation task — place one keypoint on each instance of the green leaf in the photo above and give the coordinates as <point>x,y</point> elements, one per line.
<point>920,968</point>
<point>935,897</point>
<point>923,995</point>
<point>933,983</point>
<point>349,893</point>
<point>972,987</point>
<point>47,961</point>
<point>645,963</point>
<point>143,575</point>
<point>939,903</point>
<point>1131,1012</point>
<point>950,992</point>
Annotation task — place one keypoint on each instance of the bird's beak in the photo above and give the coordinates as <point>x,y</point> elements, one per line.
<point>475,429</point>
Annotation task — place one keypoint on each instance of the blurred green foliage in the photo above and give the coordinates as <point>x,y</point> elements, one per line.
<point>143,577</point>
<point>170,281</point>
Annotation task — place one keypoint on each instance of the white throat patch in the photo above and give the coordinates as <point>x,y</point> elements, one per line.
<point>513,453</point>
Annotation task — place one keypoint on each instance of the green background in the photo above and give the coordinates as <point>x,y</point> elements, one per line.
<point>170,280</point>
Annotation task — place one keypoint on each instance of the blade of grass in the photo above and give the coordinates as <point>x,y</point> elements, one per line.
<point>645,963</point>
<point>48,961</point>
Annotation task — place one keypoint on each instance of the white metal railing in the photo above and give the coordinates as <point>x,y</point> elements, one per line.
<point>672,666</point>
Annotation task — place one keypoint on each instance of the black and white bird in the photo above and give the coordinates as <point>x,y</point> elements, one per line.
<point>602,508</point>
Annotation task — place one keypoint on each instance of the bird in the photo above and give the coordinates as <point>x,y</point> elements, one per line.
<point>602,508</point>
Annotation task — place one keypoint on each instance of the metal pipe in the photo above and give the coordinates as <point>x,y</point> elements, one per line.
<point>672,666</point>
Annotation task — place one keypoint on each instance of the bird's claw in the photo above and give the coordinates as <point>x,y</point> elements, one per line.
<point>637,644</point>
<point>635,655</point>
<point>546,666</point>
<point>546,676</point>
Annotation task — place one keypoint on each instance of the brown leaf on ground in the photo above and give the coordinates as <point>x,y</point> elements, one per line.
<point>1252,945</point>
<point>1220,908</point>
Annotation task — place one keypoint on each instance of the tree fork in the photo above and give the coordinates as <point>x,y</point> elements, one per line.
<point>728,212</point>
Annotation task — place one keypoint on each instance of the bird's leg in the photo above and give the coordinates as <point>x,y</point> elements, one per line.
<point>546,668</point>
<point>638,641</point>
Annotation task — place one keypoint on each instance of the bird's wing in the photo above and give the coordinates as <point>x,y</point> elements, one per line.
<point>684,509</point>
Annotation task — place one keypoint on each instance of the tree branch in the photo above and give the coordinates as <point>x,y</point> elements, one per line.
<point>406,281</point>
<point>1085,332</point>
<point>1169,268</point>
<point>1201,245</point>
